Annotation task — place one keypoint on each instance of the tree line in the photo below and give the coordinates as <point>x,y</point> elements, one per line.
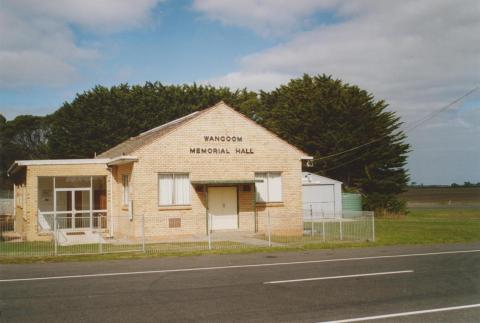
<point>319,114</point>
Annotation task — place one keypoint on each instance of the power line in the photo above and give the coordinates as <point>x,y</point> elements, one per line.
<point>409,128</point>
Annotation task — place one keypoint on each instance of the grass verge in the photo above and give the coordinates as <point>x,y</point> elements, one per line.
<point>420,226</point>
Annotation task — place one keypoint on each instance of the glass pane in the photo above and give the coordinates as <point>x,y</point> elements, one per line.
<point>64,201</point>
<point>64,205</point>
<point>182,189</point>
<point>165,188</point>
<point>274,187</point>
<point>261,187</point>
<point>64,221</point>
<point>45,194</point>
<point>82,220</point>
<point>125,189</point>
<point>82,200</point>
<point>100,220</point>
<point>99,189</point>
<point>72,181</point>
<point>82,209</point>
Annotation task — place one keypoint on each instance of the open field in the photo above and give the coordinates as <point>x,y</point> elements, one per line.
<point>442,196</point>
<point>427,226</point>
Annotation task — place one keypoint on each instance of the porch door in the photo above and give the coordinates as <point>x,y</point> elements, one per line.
<point>73,208</point>
<point>82,208</point>
<point>222,205</point>
<point>64,209</point>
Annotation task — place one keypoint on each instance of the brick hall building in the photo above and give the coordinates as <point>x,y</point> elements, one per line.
<point>213,169</point>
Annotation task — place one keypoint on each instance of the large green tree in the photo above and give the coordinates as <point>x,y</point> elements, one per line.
<point>321,115</point>
<point>103,117</point>
<point>325,117</point>
<point>24,137</point>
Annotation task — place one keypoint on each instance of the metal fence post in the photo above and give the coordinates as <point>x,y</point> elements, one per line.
<point>269,230</point>
<point>341,229</point>
<point>209,231</point>
<point>323,230</point>
<point>311,220</point>
<point>373,227</point>
<point>55,234</point>
<point>143,232</point>
<point>100,244</point>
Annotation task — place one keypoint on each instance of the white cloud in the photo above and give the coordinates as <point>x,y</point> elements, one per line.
<point>407,52</point>
<point>106,15</point>
<point>38,45</point>
<point>252,80</point>
<point>267,17</point>
<point>417,55</point>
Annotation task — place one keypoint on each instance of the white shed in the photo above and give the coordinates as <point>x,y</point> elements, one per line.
<point>322,195</point>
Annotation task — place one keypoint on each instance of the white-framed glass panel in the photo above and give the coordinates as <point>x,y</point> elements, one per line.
<point>64,209</point>
<point>165,189</point>
<point>261,187</point>
<point>270,190</point>
<point>45,194</point>
<point>182,189</point>
<point>82,208</point>
<point>72,200</point>
<point>99,192</point>
<point>72,181</point>
<point>274,187</point>
<point>126,188</point>
<point>174,189</point>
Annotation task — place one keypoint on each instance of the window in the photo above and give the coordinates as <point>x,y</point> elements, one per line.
<point>174,189</point>
<point>126,188</point>
<point>270,190</point>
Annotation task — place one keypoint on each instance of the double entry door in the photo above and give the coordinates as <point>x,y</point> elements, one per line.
<point>223,207</point>
<point>73,208</point>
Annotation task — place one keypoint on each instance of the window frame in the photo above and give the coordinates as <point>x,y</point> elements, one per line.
<point>174,204</point>
<point>266,181</point>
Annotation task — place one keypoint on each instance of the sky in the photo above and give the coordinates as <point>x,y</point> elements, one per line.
<point>418,56</point>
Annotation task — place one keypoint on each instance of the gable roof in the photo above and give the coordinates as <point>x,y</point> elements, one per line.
<point>148,136</point>
<point>130,145</point>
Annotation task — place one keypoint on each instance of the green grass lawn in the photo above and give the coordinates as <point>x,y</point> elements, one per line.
<point>420,226</point>
<point>427,226</point>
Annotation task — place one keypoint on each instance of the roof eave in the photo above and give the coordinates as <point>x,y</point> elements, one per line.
<point>122,160</point>
<point>12,169</point>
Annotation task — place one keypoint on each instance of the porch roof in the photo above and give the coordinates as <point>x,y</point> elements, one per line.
<point>24,163</point>
<point>122,160</point>
<point>227,181</point>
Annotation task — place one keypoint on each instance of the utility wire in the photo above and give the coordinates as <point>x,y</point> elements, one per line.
<point>414,125</point>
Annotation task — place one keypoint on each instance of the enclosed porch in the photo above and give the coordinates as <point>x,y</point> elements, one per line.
<point>72,203</point>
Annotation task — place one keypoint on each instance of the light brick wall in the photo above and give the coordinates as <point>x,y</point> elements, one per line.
<point>172,154</point>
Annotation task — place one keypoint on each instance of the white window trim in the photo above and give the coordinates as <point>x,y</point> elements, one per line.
<point>268,175</point>
<point>173,189</point>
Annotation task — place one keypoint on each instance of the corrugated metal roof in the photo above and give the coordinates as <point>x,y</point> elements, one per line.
<point>311,178</point>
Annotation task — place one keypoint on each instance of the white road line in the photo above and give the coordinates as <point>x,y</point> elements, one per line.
<point>386,316</point>
<point>339,277</point>
<point>240,266</point>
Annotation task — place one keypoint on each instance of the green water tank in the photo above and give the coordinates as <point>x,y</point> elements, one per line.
<point>351,202</point>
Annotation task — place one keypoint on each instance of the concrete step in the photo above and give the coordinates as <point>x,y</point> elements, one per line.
<point>66,238</point>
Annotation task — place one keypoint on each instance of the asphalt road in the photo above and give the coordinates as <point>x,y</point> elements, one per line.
<point>342,284</point>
